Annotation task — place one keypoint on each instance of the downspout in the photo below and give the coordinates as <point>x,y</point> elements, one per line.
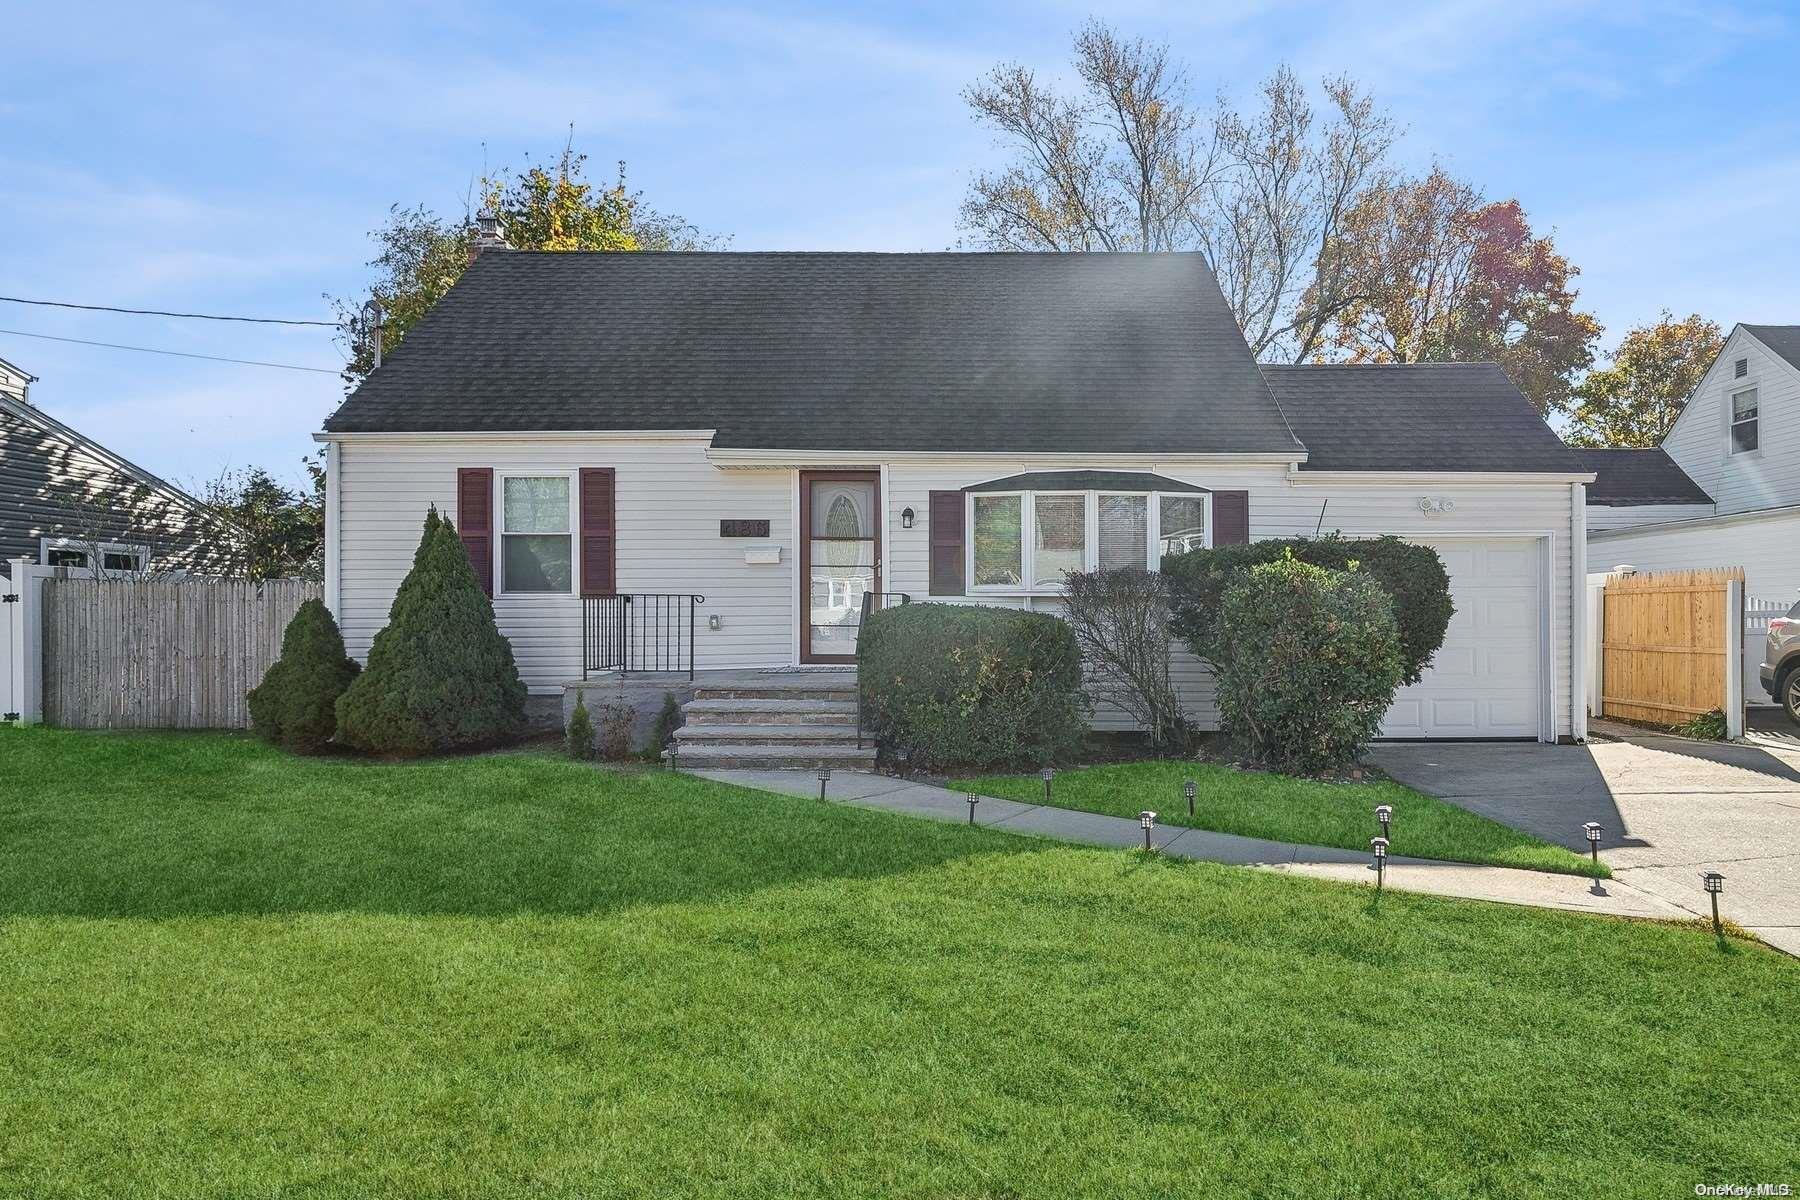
<point>334,457</point>
<point>1578,611</point>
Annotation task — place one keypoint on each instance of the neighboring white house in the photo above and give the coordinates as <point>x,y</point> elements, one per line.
<point>782,433</point>
<point>1723,489</point>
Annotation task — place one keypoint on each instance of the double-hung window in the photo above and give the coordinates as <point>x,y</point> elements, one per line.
<point>537,544</point>
<point>1028,541</point>
<point>115,558</point>
<point>1743,421</point>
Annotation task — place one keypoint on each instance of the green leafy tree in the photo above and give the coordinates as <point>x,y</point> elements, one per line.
<point>295,706</point>
<point>440,675</point>
<point>1634,400</point>
<point>281,530</point>
<point>544,207</point>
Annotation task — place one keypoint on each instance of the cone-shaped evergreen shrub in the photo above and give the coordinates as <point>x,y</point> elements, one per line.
<point>580,734</point>
<point>295,706</point>
<point>440,676</point>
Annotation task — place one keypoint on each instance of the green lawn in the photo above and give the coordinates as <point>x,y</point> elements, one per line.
<point>1285,809</point>
<point>233,974</point>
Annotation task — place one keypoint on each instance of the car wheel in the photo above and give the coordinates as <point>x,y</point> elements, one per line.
<point>1790,694</point>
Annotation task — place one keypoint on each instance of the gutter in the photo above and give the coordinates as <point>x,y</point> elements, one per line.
<point>1299,477</point>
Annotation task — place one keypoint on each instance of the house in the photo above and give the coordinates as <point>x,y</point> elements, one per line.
<point>783,433</point>
<point>1723,489</point>
<point>66,500</point>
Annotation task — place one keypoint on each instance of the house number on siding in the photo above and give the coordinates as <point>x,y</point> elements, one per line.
<point>1432,505</point>
<point>743,528</point>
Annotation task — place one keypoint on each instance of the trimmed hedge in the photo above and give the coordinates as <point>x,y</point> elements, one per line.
<point>295,705</point>
<point>1412,575</point>
<point>440,675</point>
<point>1309,666</point>
<point>952,684</point>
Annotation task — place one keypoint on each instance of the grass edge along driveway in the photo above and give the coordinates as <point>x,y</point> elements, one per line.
<point>1282,808</point>
<point>233,973</point>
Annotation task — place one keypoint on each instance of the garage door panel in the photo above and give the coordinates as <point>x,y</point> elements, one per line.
<point>1485,679</point>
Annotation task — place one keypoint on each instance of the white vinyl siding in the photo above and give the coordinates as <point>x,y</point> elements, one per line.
<point>670,500</point>
<point>1765,545</point>
<point>1624,516</point>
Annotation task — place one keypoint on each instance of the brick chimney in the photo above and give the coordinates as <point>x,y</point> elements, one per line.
<point>490,234</point>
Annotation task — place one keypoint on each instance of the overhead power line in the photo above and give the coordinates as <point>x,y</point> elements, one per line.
<point>157,312</point>
<point>247,362</point>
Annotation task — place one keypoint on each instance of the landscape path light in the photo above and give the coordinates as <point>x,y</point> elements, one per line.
<point>973,801</point>
<point>674,748</point>
<point>824,778</point>
<point>1592,829</point>
<point>1715,883</point>
<point>1380,847</point>
<point>1047,774</point>
<point>1147,819</point>
<point>1385,814</point>
<point>1189,789</point>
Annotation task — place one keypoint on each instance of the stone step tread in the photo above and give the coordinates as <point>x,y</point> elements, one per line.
<point>836,693</point>
<point>749,754</point>
<point>767,733</point>
<point>771,720</point>
<point>784,705</point>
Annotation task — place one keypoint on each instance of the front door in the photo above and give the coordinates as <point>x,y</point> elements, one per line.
<point>840,559</point>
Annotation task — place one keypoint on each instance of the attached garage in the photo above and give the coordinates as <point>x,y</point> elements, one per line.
<point>1489,678</point>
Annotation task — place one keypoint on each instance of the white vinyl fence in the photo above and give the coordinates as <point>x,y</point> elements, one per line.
<point>1757,615</point>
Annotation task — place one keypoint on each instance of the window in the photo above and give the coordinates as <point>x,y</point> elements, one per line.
<point>115,557</point>
<point>999,554</point>
<point>1060,545</point>
<point>1124,531</point>
<point>1183,524</point>
<point>1075,531</point>
<point>1743,420</point>
<point>536,546</point>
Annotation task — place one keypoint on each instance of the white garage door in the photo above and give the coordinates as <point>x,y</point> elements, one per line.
<point>1484,682</point>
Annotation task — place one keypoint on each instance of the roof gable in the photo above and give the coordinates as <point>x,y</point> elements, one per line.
<point>1103,353</point>
<point>1767,337</point>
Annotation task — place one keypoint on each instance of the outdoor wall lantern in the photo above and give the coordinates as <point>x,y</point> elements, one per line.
<point>1385,814</point>
<point>824,778</point>
<point>1715,883</point>
<point>1592,829</point>
<point>1147,819</point>
<point>973,801</point>
<point>1188,789</point>
<point>1380,847</point>
<point>906,518</point>
<point>1047,774</point>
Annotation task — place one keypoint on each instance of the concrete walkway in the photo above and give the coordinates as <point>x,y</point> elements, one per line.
<point>1504,885</point>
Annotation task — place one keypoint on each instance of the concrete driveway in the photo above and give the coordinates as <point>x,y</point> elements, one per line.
<point>1670,809</point>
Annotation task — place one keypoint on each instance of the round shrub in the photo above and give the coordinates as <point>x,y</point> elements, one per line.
<point>951,684</point>
<point>1308,663</point>
<point>295,705</point>
<point>440,676</point>
<point>1413,576</point>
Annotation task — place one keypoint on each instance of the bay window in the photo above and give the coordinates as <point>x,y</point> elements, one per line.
<point>536,534</point>
<point>1027,541</point>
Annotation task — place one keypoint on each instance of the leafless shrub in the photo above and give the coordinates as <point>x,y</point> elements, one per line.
<point>1121,621</point>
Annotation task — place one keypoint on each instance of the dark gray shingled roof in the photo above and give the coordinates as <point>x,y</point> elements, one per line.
<point>1633,476</point>
<point>1416,417</point>
<point>1782,339</point>
<point>978,352</point>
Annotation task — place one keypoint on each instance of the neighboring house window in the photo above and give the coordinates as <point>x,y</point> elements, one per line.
<point>115,557</point>
<point>1076,531</point>
<point>1743,420</point>
<point>537,549</point>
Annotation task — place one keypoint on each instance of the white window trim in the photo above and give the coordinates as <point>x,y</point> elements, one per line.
<point>47,544</point>
<point>1733,389</point>
<point>500,534</point>
<point>1091,550</point>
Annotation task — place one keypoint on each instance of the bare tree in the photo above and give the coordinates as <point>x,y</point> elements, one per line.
<point>1121,622</point>
<point>1129,163</point>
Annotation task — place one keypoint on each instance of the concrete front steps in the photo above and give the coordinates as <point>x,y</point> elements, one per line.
<point>783,722</point>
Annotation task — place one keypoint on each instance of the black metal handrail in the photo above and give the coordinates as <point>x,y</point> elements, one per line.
<point>869,600</point>
<point>639,631</point>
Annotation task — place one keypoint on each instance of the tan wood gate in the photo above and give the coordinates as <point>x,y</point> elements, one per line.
<point>1670,645</point>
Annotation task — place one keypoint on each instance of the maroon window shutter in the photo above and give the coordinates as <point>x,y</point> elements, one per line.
<point>599,533</point>
<point>475,521</point>
<point>947,544</point>
<point>1231,518</point>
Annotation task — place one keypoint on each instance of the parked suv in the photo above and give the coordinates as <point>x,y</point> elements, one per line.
<point>1781,662</point>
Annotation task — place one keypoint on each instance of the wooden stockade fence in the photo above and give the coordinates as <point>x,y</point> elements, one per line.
<point>1670,645</point>
<point>170,654</point>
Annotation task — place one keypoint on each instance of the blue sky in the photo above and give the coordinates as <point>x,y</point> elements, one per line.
<point>232,158</point>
